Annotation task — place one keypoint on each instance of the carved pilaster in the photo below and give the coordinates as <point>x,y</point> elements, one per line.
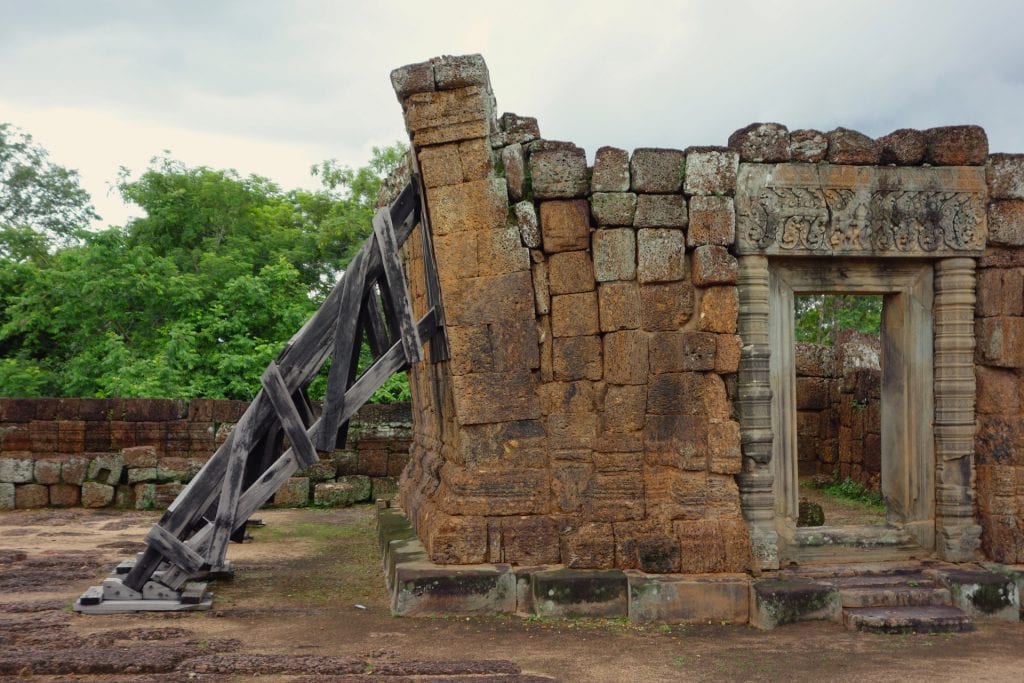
<point>755,410</point>
<point>957,533</point>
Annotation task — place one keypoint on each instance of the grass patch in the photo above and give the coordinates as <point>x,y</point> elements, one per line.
<point>853,492</point>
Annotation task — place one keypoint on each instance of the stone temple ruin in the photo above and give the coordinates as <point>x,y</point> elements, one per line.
<point>605,415</point>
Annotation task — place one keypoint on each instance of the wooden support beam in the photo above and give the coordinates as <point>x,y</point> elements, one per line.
<point>384,231</point>
<point>176,552</point>
<point>291,421</point>
<point>373,323</point>
<point>346,334</point>
<point>231,488</point>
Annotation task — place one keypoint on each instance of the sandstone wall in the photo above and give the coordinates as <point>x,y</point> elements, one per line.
<point>584,416</point>
<point>839,419</point>
<point>999,328</point>
<point>140,452</point>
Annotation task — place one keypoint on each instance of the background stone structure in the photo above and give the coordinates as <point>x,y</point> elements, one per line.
<point>588,414</point>
<point>839,418</point>
<point>139,453</point>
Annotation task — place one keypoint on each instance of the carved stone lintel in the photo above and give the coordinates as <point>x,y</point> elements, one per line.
<point>822,210</point>
<point>957,533</point>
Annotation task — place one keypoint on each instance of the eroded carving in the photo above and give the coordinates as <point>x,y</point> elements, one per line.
<point>804,209</point>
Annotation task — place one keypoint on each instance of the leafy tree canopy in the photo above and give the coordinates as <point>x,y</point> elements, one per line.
<point>192,299</point>
<point>820,317</point>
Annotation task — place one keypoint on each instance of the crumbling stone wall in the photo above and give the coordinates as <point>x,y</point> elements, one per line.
<point>999,328</point>
<point>139,453</point>
<point>839,409</point>
<point>584,416</point>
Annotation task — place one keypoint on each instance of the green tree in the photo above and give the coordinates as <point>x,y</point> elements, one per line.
<point>819,317</point>
<point>192,299</point>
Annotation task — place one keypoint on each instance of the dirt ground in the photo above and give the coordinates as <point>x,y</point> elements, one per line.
<point>308,603</point>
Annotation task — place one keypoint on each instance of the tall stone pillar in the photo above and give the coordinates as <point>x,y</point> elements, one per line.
<point>755,408</point>
<point>957,533</point>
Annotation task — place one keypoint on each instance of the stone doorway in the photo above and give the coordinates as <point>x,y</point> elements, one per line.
<point>907,407</point>
<point>910,235</point>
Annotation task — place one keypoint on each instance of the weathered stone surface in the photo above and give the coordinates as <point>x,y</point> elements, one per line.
<point>565,225</point>
<point>713,545</point>
<point>475,159</point>
<point>7,500</point>
<point>500,251</point>
<point>590,546</point>
<point>63,495</point>
<point>661,255</point>
<point>646,545</point>
<point>714,265</point>
<point>568,397</point>
<point>137,475</point>
<point>666,306</point>
<point>564,593</point>
<point>494,397</point>
<point>529,226</point>
<point>999,391</point>
<point>712,221</point>
<point>694,599</point>
<point>413,78</point>
<point>711,171</point>
<point>440,165</point>
<point>700,394</point>
<point>570,272</point>
<point>434,118</point>
<point>347,491</point>
<point>727,358</point>
<point>1006,222</point>
<point>1000,292</point>
<point>762,143</point>
<point>1005,176</point>
<point>903,147</point>
<point>956,146</point>
<point>870,211</point>
<point>656,170</point>
<point>682,351</point>
<point>478,205</point>
<point>96,495</point>
<point>508,297</point>
<point>47,471</point>
<point>625,357</point>
<point>809,146</point>
<point>106,469</point>
<point>614,497</point>
<point>73,470</point>
<point>293,493</point>
<point>719,310</point>
<point>460,71</point>
<point>31,496</point>
<point>16,470</point>
<point>423,588</point>
<point>624,408</point>
<point>660,211</point>
<point>847,146</point>
<point>559,173</point>
<point>541,295</point>
<point>514,163</point>
<point>611,170</point>
<point>573,315</point>
<point>614,254</point>
<point>575,358</point>
<point>513,129</point>
<point>619,306</point>
<point>1000,341</point>
<point>776,602</point>
<point>140,456</point>
<point>613,208</point>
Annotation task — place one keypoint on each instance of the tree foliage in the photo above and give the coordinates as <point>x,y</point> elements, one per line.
<point>194,298</point>
<point>820,316</point>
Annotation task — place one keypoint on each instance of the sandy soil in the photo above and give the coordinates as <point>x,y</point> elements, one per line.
<point>308,603</point>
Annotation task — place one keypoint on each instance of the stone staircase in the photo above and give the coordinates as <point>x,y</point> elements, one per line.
<point>890,597</point>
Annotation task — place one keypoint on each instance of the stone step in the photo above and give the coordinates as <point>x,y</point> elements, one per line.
<point>929,619</point>
<point>882,581</point>
<point>894,596</point>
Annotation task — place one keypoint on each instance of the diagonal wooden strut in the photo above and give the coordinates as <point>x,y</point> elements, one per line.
<point>200,521</point>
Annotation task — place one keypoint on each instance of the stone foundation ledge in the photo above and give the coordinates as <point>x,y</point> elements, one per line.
<point>420,587</point>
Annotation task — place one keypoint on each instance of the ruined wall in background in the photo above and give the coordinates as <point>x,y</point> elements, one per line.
<point>139,453</point>
<point>584,416</point>
<point>999,328</point>
<point>839,409</point>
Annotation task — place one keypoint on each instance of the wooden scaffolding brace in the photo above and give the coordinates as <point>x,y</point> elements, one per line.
<point>370,301</point>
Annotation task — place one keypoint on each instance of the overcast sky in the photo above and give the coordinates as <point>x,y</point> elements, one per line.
<point>273,87</point>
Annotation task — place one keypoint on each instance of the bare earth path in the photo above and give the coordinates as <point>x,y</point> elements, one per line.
<point>291,614</point>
